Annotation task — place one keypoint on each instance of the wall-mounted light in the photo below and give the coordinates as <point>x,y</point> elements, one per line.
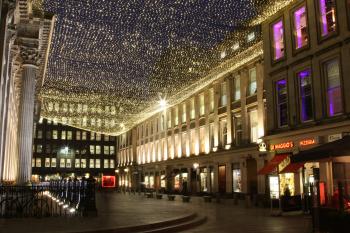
<point>195,166</point>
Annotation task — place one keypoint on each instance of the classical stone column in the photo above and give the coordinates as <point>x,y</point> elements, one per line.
<point>26,117</point>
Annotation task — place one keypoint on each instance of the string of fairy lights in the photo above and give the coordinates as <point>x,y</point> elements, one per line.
<point>111,61</point>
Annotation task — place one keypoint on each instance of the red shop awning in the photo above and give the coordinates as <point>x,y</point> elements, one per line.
<point>272,164</point>
<point>292,168</point>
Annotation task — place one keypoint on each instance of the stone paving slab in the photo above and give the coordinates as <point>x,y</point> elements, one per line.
<point>114,211</point>
<point>117,210</point>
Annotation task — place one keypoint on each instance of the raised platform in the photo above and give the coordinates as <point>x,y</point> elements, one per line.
<point>117,213</point>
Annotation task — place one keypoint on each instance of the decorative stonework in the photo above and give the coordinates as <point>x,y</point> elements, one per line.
<point>29,55</point>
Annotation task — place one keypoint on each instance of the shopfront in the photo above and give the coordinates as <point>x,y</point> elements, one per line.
<point>206,179</point>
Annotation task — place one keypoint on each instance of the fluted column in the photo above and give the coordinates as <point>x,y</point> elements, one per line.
<point>26,123</point>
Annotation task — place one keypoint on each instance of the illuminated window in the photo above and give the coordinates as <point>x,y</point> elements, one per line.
<point>33,162</point>
<point>237,120</point>
<point>105,163</point>
<point>183,112</point>
<point>253,121</point>
<point>62,163</point>
<point>92,149</point>
<point>305,95</point>
<point>201,104</point>
<point>69,163</point>
<point>211,135</point>
<point>77,163</point>
<point>278,40</point>
<point>111,163</point>
<point>39,148</point>
<point>106,138</point>
<point>211,99</point>
<point>176,115</point>
<point>63,135</point>
<point>83,135</point>
<point>97,163</point>
<point>236,179</point>
<point>69,135</point>
<point>282,102</point>
<point>223,97</point>
<point>169,118</point>
<point>98,137</point>
<point>38,162</point>
<point>54,134</point>
<point>47,162</point>
<point>237,88</point>
<point>252,82</point>
<point>83,163</point>
<point>106,150</point>
<point>223,132</point>
<point>184,142</point>
<point>327,17</point>
<point>91,163</point>
<point>192,113</point>
<point>333,88</point>
<point>111,150</point>
<point>98,149</point>
<point>202,139</point>
<point>53,162</point>
<point>92,136</point>
<point>301,36</point>
<point>77,135</point>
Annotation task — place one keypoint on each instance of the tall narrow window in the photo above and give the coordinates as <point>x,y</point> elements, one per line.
<point>237,88</point>
<point>252,82</point>
<point>305,95</point>
<point>192,113</point>
<point>301,36</point>
<point>211,135</point>
<point>202,139</point>
<point>253,120</point>
<point>211,99</point>
<point>238,129</point>
<point>333,84</point>
<point>168,119</point>
<point>278,40</point>
<point>223,97</point>
<point>201,105</point>
<point>282,102</point>
<point>176,115</point>
<point>184,143</point>
<point>183,112</point>
<point>223,132</point>
<point>327,17</point>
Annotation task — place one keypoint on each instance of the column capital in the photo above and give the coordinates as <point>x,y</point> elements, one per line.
<point>29,55</point>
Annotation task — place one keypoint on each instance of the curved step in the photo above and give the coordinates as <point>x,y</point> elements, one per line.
<point>148,227</point>
<point>180,227</point>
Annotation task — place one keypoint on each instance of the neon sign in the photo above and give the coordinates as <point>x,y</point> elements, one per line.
<point>307,142</point>
<point>283,145</point>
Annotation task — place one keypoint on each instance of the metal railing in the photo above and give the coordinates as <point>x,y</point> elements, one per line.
<point>54,198</point>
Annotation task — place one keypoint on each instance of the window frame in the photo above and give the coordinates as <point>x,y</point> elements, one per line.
<point>298,90</point>
<point>293,31</point>
<point>318,23</point>
<point>272,49</point>
<point>325,84</point>
<point>276,104</point>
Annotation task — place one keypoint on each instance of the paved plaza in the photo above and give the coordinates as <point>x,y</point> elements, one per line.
<point>117,211</point>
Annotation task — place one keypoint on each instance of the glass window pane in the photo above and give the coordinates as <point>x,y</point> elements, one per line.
<point>305,95</point>
<point>252,82</point>
<point>327,14</point>
<point>300,31</point>
<point>278,40</point>
<point>282,102</point>
<point>334,93</point>
<point>237,88</point>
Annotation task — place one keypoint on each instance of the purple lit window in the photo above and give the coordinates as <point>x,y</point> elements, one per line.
<point>301,36</point>
<point>305,95</point>
<point>334,93</point>
<point>278,40</point>
<point>327,14</point>
<point>282,103</point>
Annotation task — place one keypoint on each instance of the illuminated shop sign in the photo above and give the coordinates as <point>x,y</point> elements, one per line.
<point>283,145</point>
<point>307,142</point>
<point>108,181</point>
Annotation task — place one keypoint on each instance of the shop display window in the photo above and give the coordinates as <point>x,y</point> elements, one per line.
<point>204,180</point>
<point>274,189</point>
<point>177,182</point>
<point>151,182</point>
<point>237,180</point>
<point>287,187</point>
<point>162,181</point>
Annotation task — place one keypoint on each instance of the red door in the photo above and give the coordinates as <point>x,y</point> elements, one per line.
<point>222,179</point>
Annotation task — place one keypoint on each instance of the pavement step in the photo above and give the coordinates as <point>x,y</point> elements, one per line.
<point>177,222</point>
<point>180,227</point>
